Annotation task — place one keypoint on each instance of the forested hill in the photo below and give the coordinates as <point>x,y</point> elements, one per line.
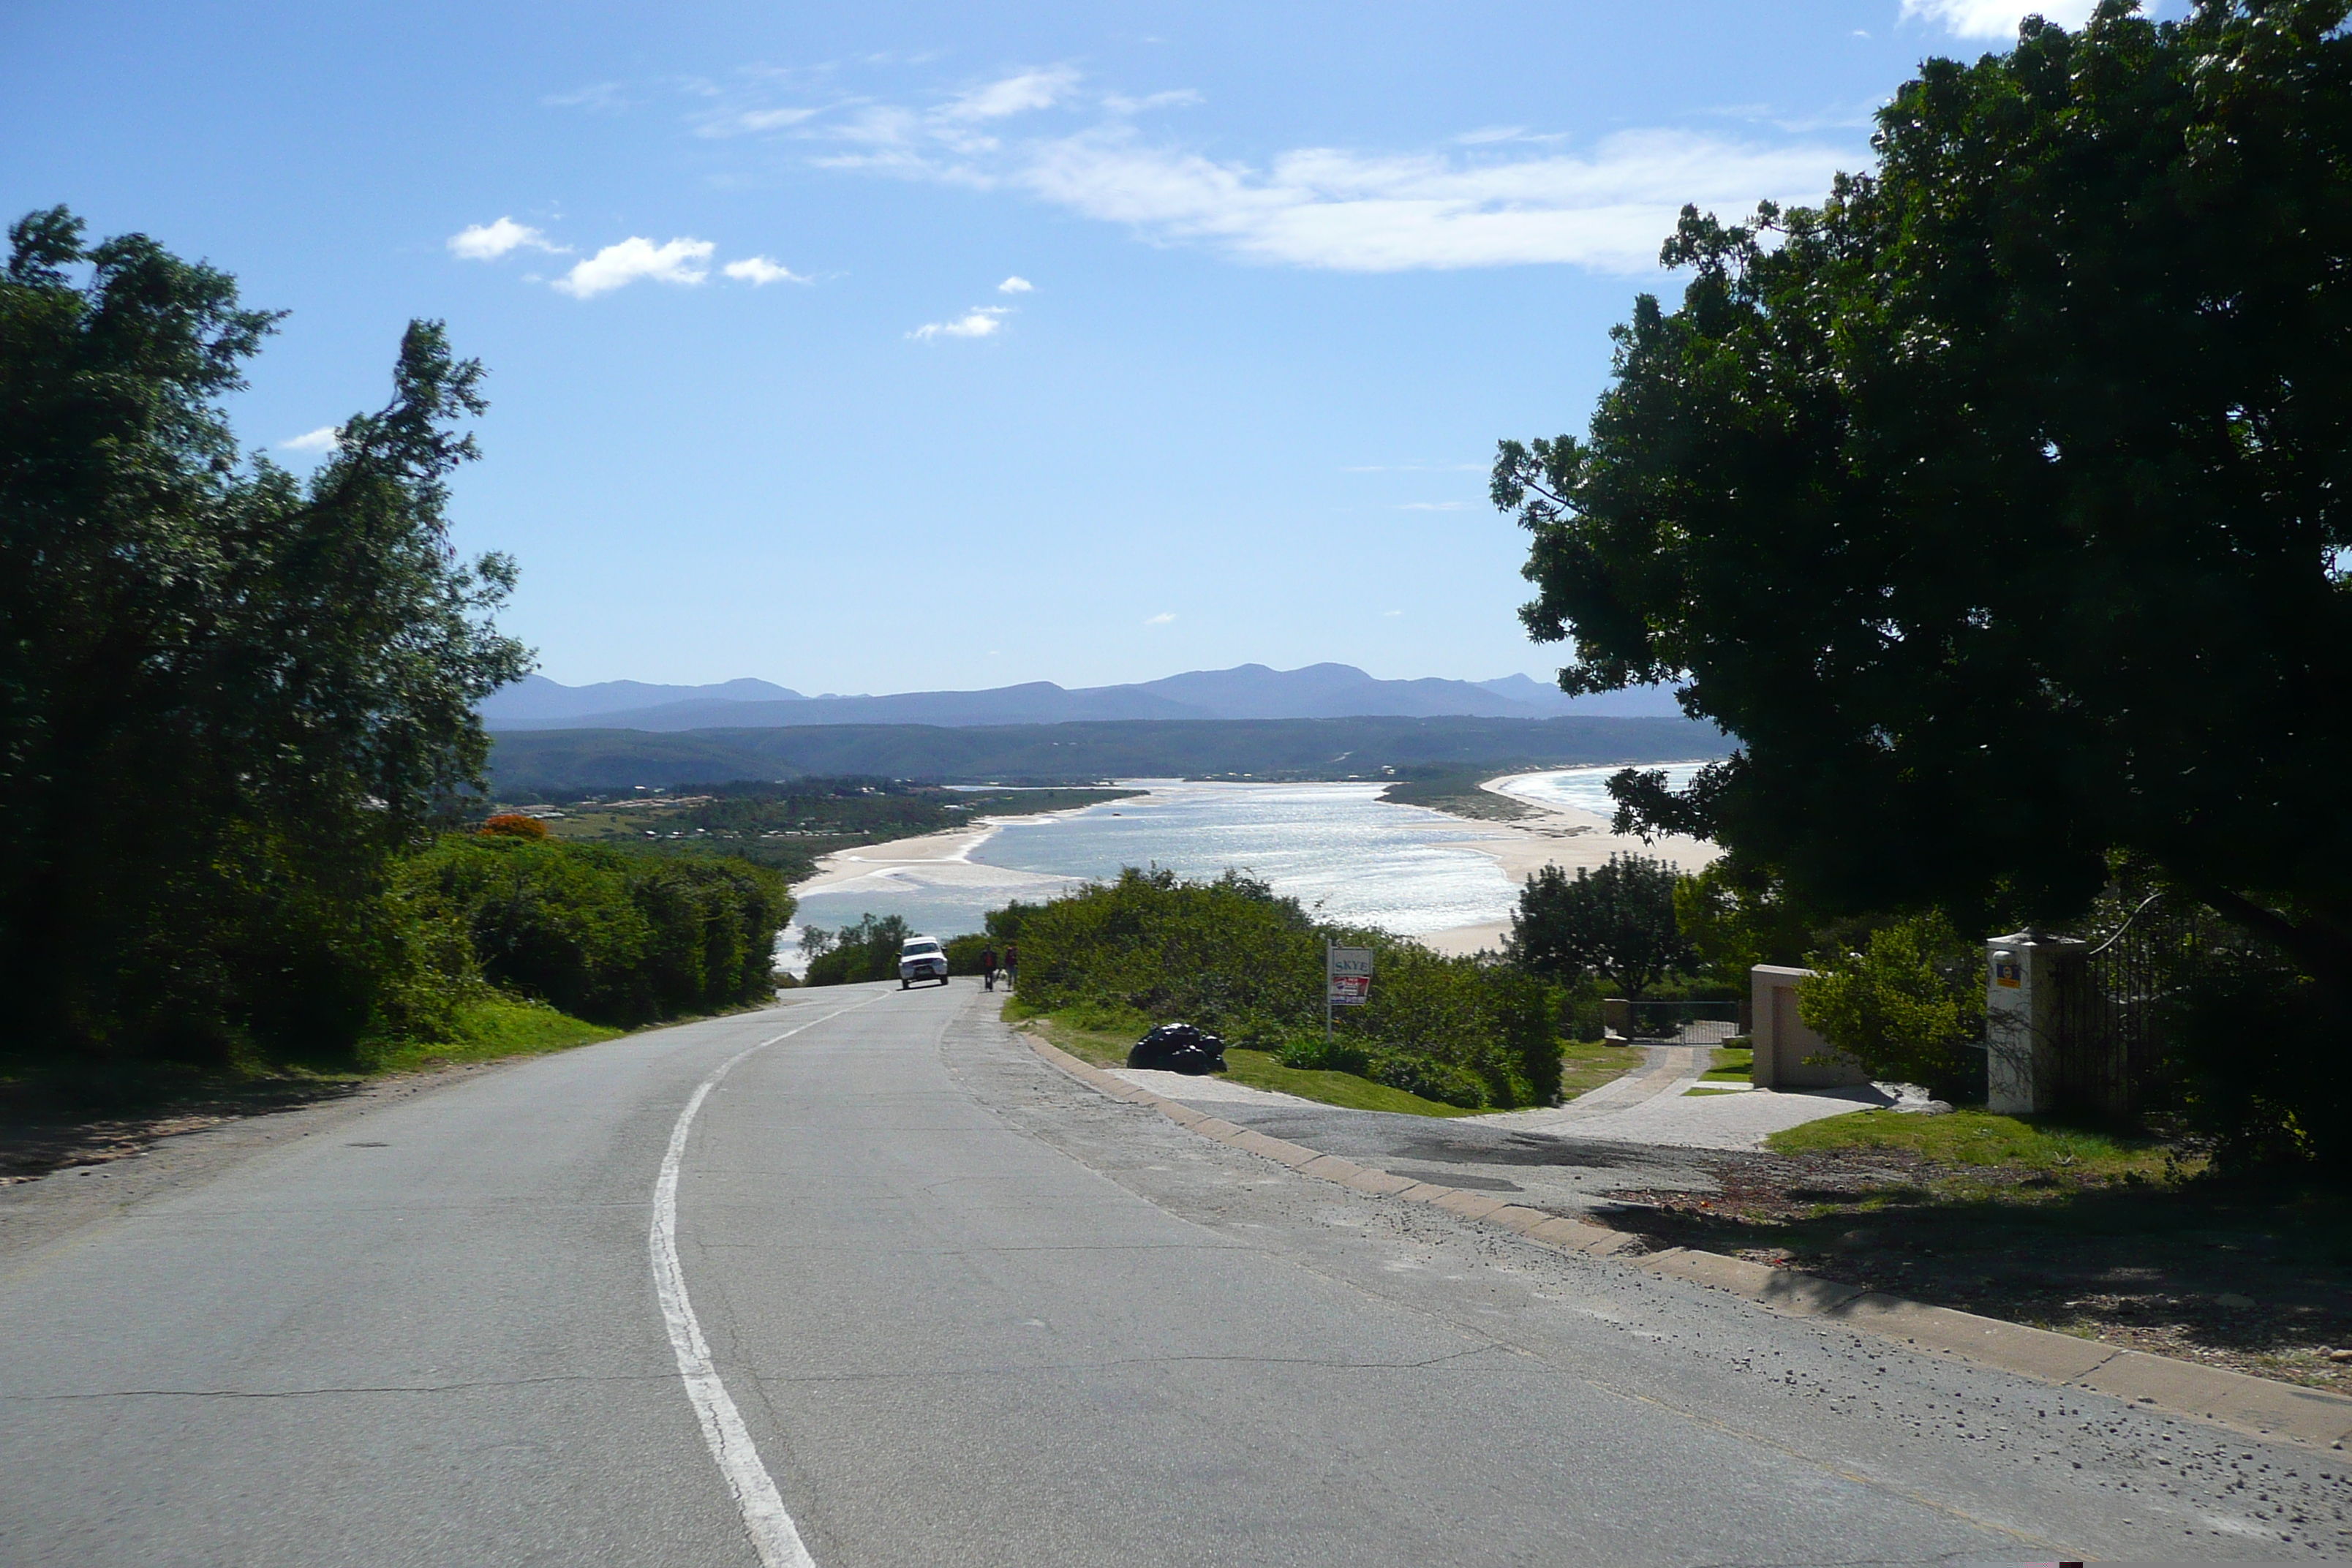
<point>553,762</point>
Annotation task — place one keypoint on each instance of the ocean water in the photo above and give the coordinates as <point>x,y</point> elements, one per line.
<point>1338,848</point>
<point>1586,789</point>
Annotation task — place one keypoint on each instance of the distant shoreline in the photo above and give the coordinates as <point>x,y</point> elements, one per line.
<point>1258,750</point>
<point>1558,836</point>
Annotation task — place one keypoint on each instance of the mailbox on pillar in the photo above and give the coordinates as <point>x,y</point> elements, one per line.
<point>2026,977</point>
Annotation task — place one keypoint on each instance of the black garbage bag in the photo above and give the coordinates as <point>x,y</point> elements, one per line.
<point>1178,1048</point>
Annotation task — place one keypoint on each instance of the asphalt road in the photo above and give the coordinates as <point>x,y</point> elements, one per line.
<point>969,1312</point>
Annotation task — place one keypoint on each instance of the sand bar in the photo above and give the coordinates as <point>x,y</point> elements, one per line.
<point>940,859</point>
<point>1555,836</point>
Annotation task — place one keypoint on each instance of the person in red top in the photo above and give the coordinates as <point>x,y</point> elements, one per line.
<point>987,968</point>
<point>1012,964</point>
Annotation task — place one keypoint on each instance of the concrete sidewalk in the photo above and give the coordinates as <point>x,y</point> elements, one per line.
<point>1654,1105</point>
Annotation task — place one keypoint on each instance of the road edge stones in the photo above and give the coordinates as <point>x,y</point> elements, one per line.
<point>2253,1406</point>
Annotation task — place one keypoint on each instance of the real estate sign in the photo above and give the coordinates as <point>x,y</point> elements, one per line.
<point>1348,976</point>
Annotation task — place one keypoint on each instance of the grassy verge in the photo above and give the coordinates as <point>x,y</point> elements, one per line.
<point>2089,1232</point>
<point>1586,1065</point>
<point>1732,1064</point>
<point>50,1121</point>
<point>2009,1151</point>
<point>1104,1035</point>
<point>488,1031</point>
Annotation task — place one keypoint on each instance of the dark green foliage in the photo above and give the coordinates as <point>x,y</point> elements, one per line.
<point>1233,957</point>
<point>1735,920</point>
<point>2251,1028</point>
<point>1007,923</point>
<point>1617,922</point>
<point>866,950</point>
<point>1996,506</point>
<point>228,698</point>
<point>853,805</point>
<point>604,935</point>
<point>1906,1004</point>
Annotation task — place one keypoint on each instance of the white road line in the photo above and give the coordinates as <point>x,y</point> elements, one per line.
<point>777,1539</point>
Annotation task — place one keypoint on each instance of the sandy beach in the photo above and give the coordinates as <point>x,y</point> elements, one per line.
<point>935,861</point>
<point>1555,836</point>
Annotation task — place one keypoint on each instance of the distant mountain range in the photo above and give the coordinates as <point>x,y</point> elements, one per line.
<point>1246,691</point>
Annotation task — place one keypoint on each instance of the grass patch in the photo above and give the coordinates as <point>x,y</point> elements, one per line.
<point>1731,1064</point>
<point>1103,1035</point>
<point>1689,1092</point>
<point>488,1031</point>
<point>1981,1139</point>
<point>49,1118</point>
<point>1586,1065</point>
<point>1261,1071</point>
<point>2087,1232</point>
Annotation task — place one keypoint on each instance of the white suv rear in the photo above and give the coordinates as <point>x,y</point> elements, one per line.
<point>921,958</point>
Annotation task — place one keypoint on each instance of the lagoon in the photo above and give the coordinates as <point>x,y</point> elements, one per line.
<point>1340,849</point>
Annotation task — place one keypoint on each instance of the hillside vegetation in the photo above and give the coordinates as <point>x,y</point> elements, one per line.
<point>785,825</point>
<point>580,760</point>
<point>1231,956</point>
<point>239,712</point>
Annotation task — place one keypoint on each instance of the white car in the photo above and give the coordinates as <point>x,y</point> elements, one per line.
<point>921,958</point>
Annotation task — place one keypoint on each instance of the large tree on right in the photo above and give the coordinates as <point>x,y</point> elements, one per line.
<point>1998,507</point>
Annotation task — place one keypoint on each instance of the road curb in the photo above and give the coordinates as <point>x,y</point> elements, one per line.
<point>2251,1404</point>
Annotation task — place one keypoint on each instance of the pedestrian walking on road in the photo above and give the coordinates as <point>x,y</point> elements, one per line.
<point>987,968</point>
<point>1012,964</point>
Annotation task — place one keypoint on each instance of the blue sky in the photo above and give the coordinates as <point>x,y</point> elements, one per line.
<point>873,348</point>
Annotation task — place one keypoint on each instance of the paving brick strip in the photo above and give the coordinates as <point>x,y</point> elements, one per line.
<point>2232,1399</point>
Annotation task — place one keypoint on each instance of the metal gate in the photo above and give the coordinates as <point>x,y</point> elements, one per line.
<point>1678,1023</point>
<point>2114,1059</point>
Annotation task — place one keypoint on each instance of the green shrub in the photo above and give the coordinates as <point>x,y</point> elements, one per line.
<point>1906,1006</point>
<point>855,953</point>
<point>1230,956</point>
<point>605,935</point>
<point>1617,922</point>
<point>2258,1047</point>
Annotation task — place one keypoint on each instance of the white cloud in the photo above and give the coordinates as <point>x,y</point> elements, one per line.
<point>1118,103</point>
<point>1995,18</point>
<point>1017,285</point>
<point>325,439</point>
<point>944,143</point>
<point>617,266</point>
<point>1496,197</point>
<point>489,241</point>
<point>603,97</point>
<point>1012,95</point>
<point>1161,619</point>
<point>759,269</point>
<point>1327,208</point>
<point>980,322</point>
<point>751,122</point>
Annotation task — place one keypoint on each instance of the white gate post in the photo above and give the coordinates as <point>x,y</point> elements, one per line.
<point>2025,980</point>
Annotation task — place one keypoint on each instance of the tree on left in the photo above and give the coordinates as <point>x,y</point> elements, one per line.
<point>228,697</point>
